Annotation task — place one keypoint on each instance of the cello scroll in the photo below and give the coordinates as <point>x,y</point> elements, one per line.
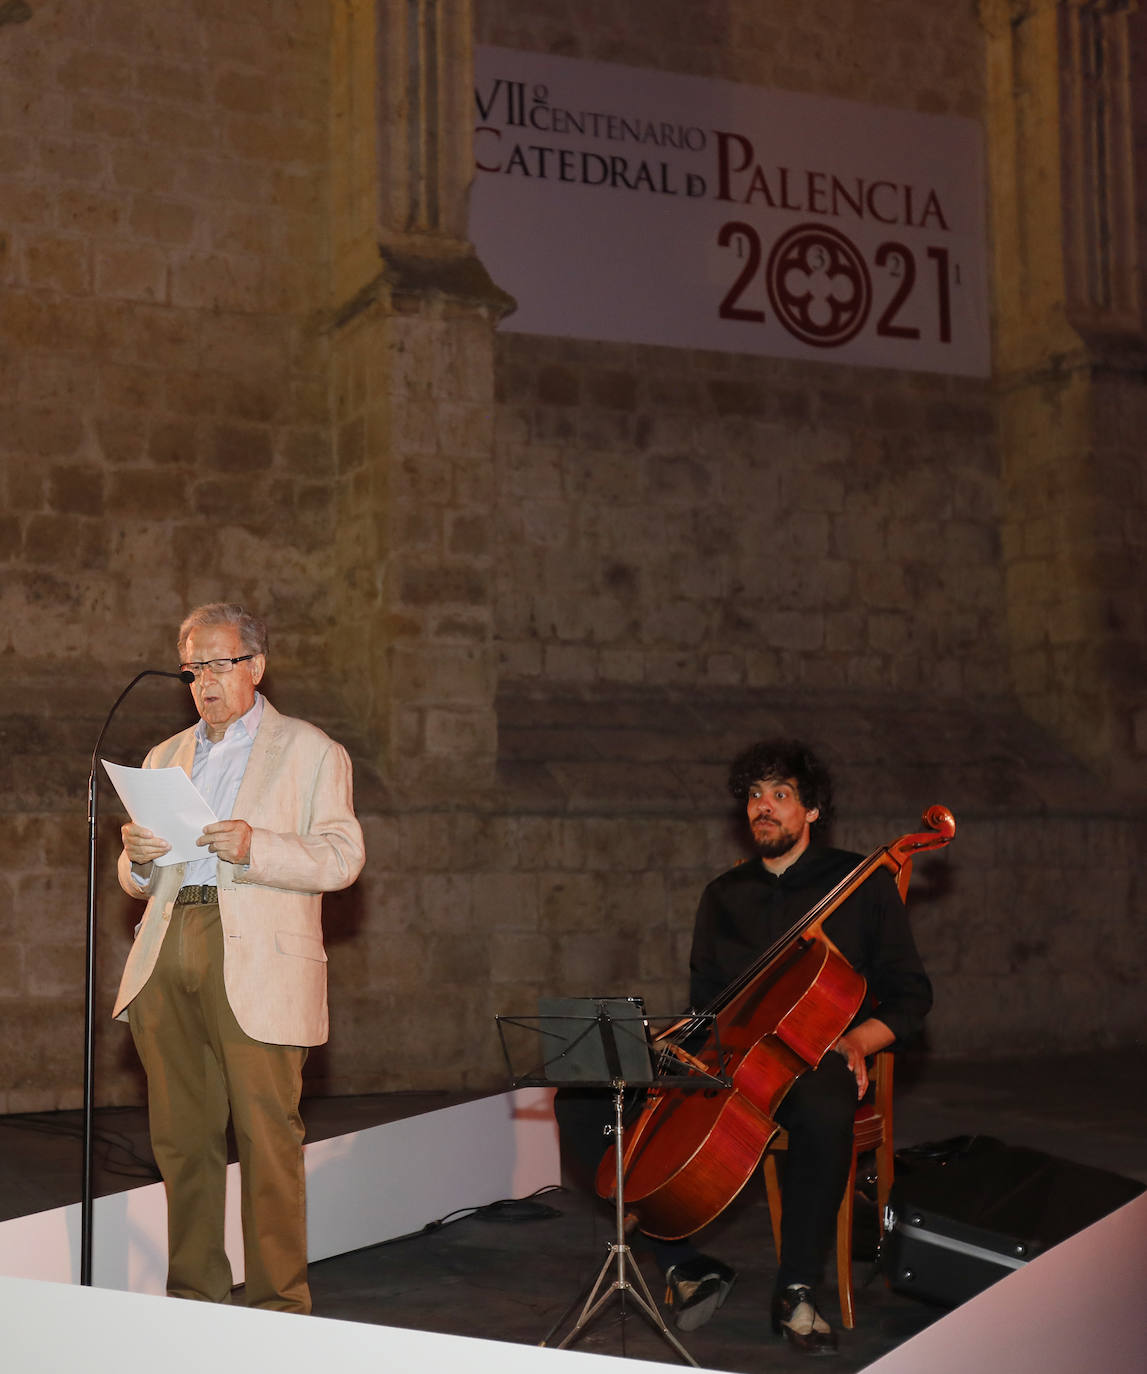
<point>898,857</point>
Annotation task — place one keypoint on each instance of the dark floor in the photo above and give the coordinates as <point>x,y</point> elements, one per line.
<point>507,1275</point>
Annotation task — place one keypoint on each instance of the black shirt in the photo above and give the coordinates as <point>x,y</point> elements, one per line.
<point>746,909</point>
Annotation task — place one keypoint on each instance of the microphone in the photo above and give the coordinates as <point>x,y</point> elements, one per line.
<point>186,675</point>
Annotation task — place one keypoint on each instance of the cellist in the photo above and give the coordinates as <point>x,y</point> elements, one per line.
<point>787,795</point>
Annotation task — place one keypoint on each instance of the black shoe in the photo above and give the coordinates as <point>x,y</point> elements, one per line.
<point>695,1289</point>
<point>795,1314</point>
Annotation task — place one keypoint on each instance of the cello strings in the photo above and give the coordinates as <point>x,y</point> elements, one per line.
<point>913,843</point>
<point>698,1019</point>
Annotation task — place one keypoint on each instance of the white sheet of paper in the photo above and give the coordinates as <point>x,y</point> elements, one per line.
<point>168,803</point>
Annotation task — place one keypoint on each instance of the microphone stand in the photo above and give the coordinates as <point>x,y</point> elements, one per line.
<point>90,983</point>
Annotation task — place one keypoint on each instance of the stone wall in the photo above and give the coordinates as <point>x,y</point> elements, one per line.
<point>543,590</point>
<point>582,874</point>
<point>924,56</point>
<point>164,434</point>
<point>672,517</point>
<point>1067,116</point>
<point>163,426</point>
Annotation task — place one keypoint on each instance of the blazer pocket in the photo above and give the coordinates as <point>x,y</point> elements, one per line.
<point>303,946</point>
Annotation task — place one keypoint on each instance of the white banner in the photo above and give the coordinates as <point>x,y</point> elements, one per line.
<point>639,206</point>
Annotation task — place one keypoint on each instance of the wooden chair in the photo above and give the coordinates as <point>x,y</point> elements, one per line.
<point>872,1130</point>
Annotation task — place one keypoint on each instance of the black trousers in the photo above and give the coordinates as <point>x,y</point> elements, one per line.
<point>817,1112</point>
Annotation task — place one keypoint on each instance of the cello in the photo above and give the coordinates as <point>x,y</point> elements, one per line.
<point>688,1155</point>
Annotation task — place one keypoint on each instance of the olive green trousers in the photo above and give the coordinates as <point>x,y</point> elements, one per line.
<point>203,1070</point>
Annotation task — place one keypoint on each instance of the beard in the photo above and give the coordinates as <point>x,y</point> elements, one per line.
<point>773,840</point>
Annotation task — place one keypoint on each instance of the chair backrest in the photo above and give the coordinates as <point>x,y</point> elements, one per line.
<point>883,1064</point>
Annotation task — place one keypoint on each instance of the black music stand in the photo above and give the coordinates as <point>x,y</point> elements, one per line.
<point>605,1042</point>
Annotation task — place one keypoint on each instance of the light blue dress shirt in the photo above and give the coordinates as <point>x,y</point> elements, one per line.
<point>217,772</point>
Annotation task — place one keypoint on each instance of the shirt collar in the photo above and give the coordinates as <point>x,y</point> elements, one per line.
<point>249,722</point>
<point>802,869</point>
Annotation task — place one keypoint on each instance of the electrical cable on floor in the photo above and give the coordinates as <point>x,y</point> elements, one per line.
<point>504,1209</point>
<point>511,1210</point>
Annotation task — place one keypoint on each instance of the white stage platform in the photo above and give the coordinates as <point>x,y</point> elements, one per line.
<point>362,1188</point>
<point>1077,1307</point>
<point>51,1328</point>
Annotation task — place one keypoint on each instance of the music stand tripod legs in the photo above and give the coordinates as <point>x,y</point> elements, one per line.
<point>618,1256</point>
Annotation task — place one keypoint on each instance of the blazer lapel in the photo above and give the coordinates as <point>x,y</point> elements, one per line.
<point>264,751</point>
<point>185,755</point>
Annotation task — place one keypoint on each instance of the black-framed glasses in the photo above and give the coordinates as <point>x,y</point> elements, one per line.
<point>217,665</point>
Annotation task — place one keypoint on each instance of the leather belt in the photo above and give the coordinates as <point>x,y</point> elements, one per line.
<point>197,894</point>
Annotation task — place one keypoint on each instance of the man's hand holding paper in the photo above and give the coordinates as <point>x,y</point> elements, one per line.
<point>169,800</point>
<point>141,846</point>
<point>230,840</point>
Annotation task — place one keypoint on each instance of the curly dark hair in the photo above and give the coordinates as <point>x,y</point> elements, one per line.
<point>772,759</point>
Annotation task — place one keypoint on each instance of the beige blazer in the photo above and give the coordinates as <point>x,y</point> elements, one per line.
<point>296,796</point>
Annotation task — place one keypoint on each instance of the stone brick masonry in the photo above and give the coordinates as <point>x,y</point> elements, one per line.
<point>542,589</point>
